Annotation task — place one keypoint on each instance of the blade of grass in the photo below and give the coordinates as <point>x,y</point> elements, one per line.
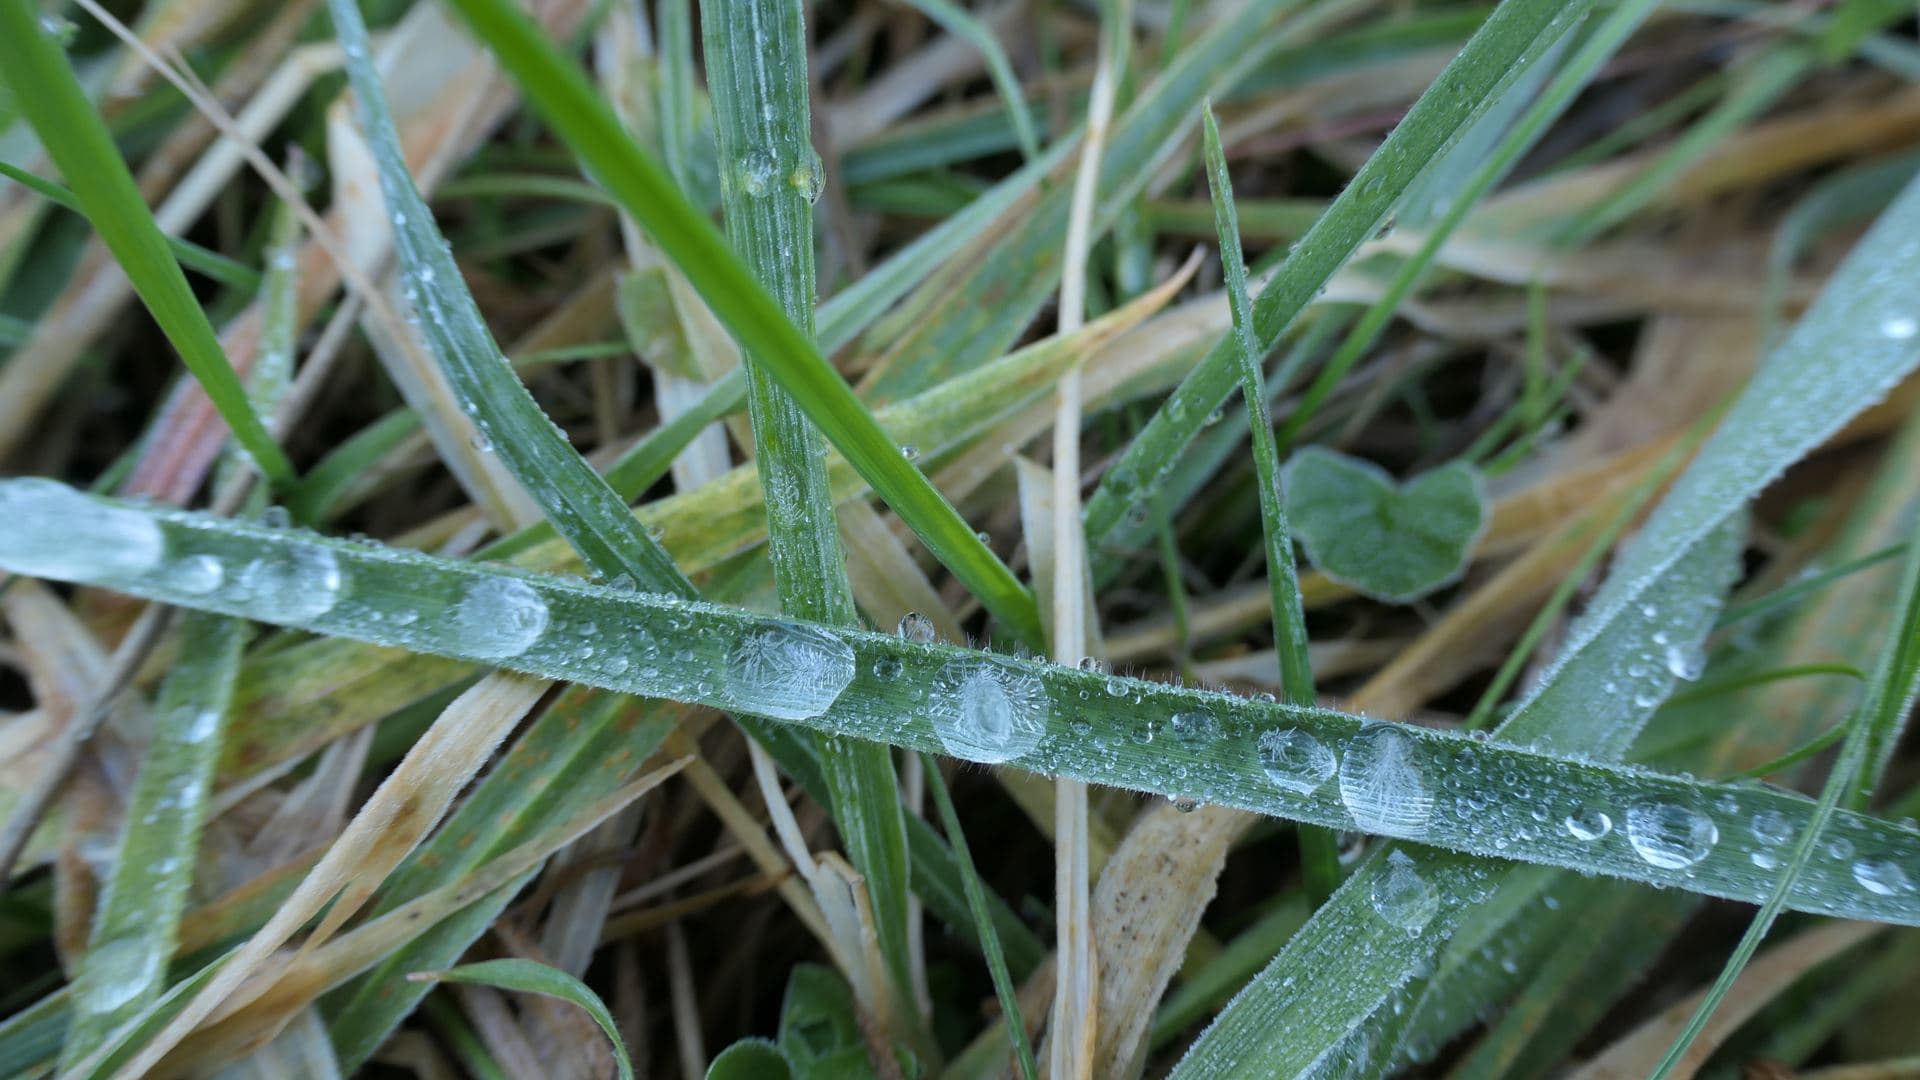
<point>555,86</point>
<point>757,75</point>
<point>1319,850</point>
<point>526,976</point>
<point>957,21</point>
<point>80,145</point>
<point>864,685</point>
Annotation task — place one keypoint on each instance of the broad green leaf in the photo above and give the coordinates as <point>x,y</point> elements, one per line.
<point>750,1059</point>
<point>1393,542</point>
<point>533,978</point>
<point>1313,765</point>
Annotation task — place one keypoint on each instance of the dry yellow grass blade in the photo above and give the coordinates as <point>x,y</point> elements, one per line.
<point>399,814</point>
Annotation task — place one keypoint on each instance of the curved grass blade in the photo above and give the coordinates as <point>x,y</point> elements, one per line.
<point>1475,79</point>
<point>555,86</point>
<point>526,976</point>
<point>957,21</point>
<point>1312,765</point>
<point>580,504</point>
<point>77,140</point>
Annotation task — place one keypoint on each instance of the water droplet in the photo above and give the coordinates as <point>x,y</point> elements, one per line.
<point>1589,824</point>
<point>988,711</point>
<point>887,668</point>
<point>49,530</point>
<point>201,726</point>
<point>1197,730</point>
<point>293,584</point>
<point>1765,860</point>
<point>1685,663</point>
<point>1670,836</point>
<point>1899,327</point>
<point>119,971</point>
<point>1185,805</point>
<point>809,177</point>
<point>276,517</point>
<point>756,172</point>
<point>498,618</point>
<point>914,626</point>
<point>1095,666</point>
<point>198,575</point>
<point>1772,827</point>
<point>1840,847</point>
<point>910,452</point>
<point>1382,782</point>
<point>1882,877</point>
<point>481,441</point>
<point>1295,760</point>
<point>1401,896</point>
<point>788,671</point>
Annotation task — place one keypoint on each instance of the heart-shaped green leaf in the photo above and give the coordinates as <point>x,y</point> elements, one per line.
<point>1392,542</point>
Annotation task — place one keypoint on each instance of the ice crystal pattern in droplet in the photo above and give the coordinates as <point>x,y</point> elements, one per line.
<point>49,530</point>
<point>788,671</point>
<point>1401,896</point>
<point>1383,784</point>
<point>988,712</point>
<point>1294,760</point>
<point>499,618</point>
<point>1670,836</point>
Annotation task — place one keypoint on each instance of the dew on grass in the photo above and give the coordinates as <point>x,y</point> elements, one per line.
<point>1772,827</point>
<point>756,171</point>
<point>1195,730</point>
<point>788,671</point>
<point>987,711</point>
<point>1899,327</point>
<point>49,530</point>
<point>1589,824</point>
<point>117,972</point>
<point>1670,836</point>
<point>197,575</point>
<point>498,618</point>
<point>1401,896</point>
<point>292,584</point>
<point>1882,877</point>
<point>1383,782</point>
<point>1294,760</point>
<point>914,626</point>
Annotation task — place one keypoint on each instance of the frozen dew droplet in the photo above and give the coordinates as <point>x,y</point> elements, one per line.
<point>498,618</point>
<point>987,711</point>
<point>788,671</point>
<point>809,177</point>
<point>1093,665</point>
<point>1295,760</point>
<point>1882,877</point>
<point>915,627</point>
<point>756,173</point>
<point>1765,860</point>
<point>1899,327</point>
<point>1401,896</point>
<point>292,584</point>
<point>1196,730</point>
<point>1685,663</point>
<point>1670,836</point>
<point>49,530</point>
<point>1589,824</point>
<point>201,726</point>
<point>1840,847</point>
<point>1383,784</point>
<point>480,441</point>
<point>197,575</point>
<point>117,972</point>
<point>887,668</point>
<point>1772,827</point>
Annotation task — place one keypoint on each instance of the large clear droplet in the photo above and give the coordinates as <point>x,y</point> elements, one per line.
<point>988,712</point>
<point>788,671</point>
<point>197,575</point>
<point>1294,760</point>
<point>498,618</point>
<point>1401,896</point>
<point>1194,730</point>
<point>916,627</point>
<point>49,530</point>
<point>292,584</point>
<point>1882,877</point>
<point>1670,836</point>
<point>1383,783</point>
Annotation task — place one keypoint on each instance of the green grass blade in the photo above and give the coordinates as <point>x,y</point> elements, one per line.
<point>53,101</point>
<point>138,923</point>
<point>757,76</point>
<point>1890,695</point>
<point>1395,780</point>
<point>578,502</point>
<point>528,977</point>
<point>229,272</point>
<point>957,21</point>
<point>1470,84</point>
<point>1320,852</point>
<point>555,86</point>
<point>1003,987</point>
